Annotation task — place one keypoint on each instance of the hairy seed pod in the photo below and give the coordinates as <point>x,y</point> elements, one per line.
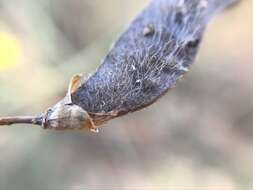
<point>149,57</point>
<point>155,51</point>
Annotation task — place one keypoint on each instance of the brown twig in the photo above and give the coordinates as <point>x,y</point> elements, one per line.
<point>21,120</point>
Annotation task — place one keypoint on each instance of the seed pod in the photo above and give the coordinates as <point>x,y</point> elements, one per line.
<point>154,52</point>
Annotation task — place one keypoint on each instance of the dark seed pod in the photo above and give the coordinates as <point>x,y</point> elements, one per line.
<point>147,60</point>
<point>149,57</point>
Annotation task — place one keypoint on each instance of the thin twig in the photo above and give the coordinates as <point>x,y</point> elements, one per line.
<point>21,120</point>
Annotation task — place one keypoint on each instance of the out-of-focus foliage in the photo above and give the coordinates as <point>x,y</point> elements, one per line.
<point>10,51</point>
<point>198,136</point>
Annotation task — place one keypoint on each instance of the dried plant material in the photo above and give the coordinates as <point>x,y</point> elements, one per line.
<point>148,30</point>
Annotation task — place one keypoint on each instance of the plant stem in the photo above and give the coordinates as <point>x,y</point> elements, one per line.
<point>21,120</point>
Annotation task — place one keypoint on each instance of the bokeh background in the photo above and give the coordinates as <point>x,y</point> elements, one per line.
<point>198,136</point>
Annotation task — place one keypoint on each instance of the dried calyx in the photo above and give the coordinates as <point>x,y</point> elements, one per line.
<point>63,115</point>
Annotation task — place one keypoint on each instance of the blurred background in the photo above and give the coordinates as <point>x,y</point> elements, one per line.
<point>198,136</point>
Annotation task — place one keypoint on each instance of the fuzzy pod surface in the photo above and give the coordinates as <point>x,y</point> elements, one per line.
<point>154,52</point>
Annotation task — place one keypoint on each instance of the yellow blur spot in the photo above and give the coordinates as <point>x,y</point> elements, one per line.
<point>10,51</point>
